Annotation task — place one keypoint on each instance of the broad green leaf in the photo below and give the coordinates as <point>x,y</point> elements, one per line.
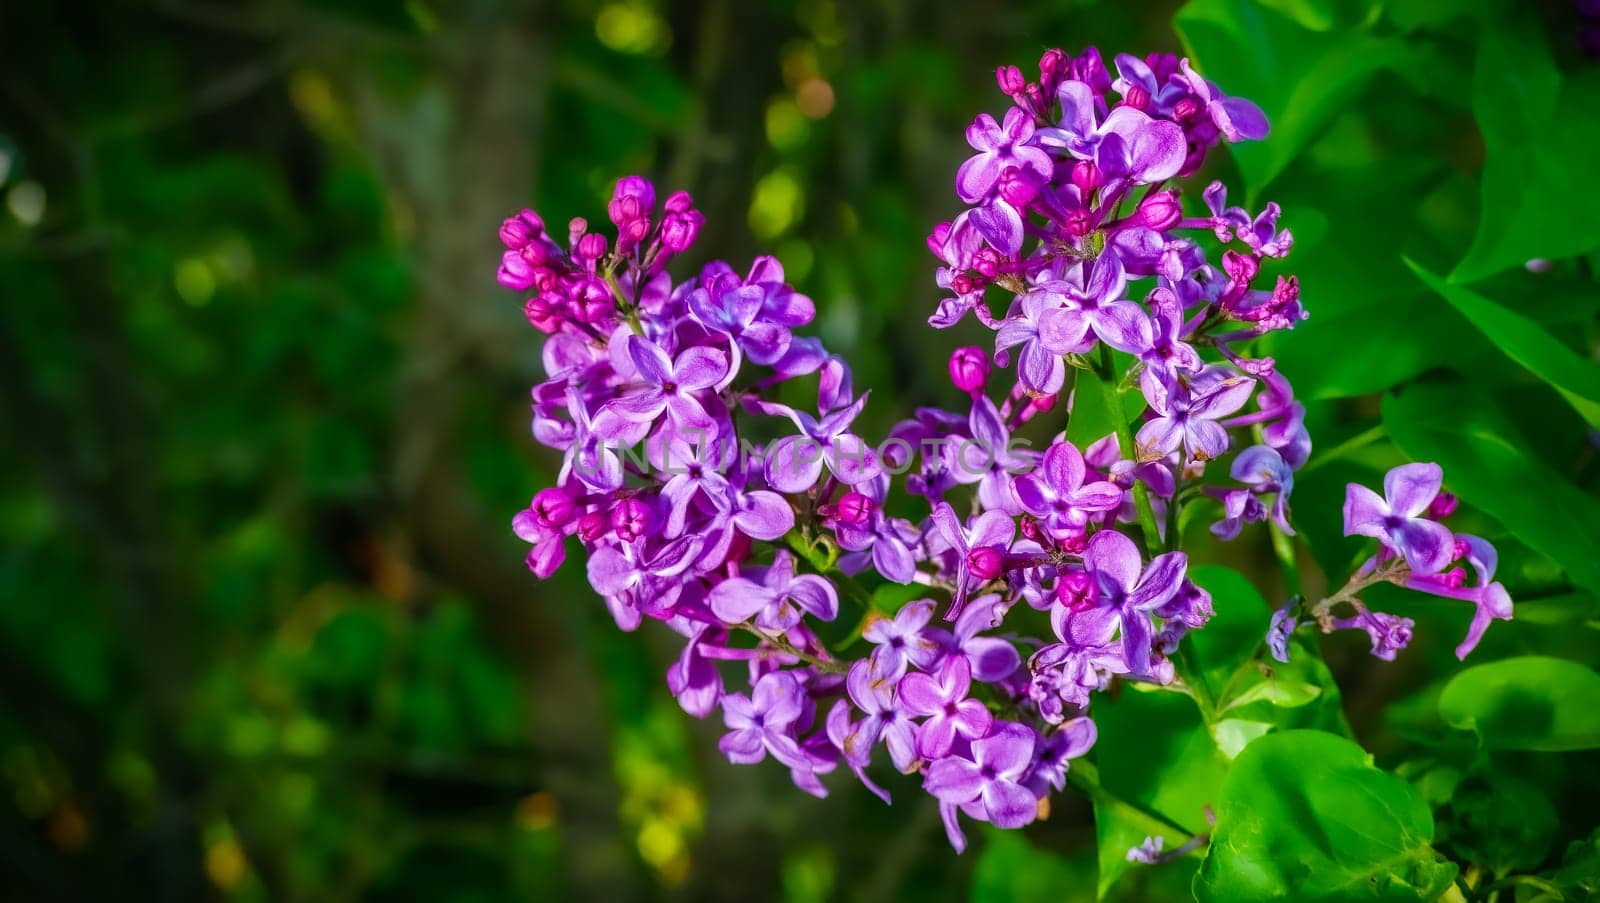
<point>1300,78</point>
<point>1532,702</point>
<point>1305,816</point>
<point>1485,463</point>
<point>1527,343</point>
<point>1539,135</point>
<point>1153,750</point>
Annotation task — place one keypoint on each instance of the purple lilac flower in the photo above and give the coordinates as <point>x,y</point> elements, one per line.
<point>941,700</point>
<point>1124,594</point>
<point>763,722</point>
<point>1396,518</point>
<point>978,548</point>
<point>1056,493</point>
<point>1186,415</point>
<point>989,784</point>
<point>776,598</point>
<point>1388,633</point>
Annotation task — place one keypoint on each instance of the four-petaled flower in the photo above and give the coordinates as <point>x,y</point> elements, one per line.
<point>991,781</point>
<point>942,699</point>
<point>1396,518</point>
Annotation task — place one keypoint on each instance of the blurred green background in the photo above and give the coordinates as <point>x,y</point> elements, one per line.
<point>264,630</point>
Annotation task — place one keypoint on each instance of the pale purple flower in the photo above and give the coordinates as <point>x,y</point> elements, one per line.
<point>635,577</point>
<point>1279,630</point>
<point>1187,412</point>
<point>764,721</point>
<point>902,640</point>
<point>992,658</point>
<point>669,385</point>
<point>988,458</point>
<point>1127,144</point>
<point>1388,633</point>
<point>1124,595</point>
<point>991,781</point>
<point>774,596</point>
<point>1236,118</point>
<point>1264,473</point>
<point>1039,365</point>
<point>886,720</point>
<point>1396,518</point>
<point>1053,755</point>
<point>883,542</point>
<point>1055,492</point>
<point>999,145</point>
<point>941,699</point>
<point>1099,306</point>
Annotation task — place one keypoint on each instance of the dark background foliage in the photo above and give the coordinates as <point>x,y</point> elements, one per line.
<point>264,631</point>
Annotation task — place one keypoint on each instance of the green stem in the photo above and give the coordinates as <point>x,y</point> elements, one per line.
<point>1354,443</point>
<point>1084,776</point>
<point>1141,493</point>
<point>1283,547</point>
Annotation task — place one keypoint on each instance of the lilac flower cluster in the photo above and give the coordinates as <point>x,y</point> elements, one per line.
<point>1074,247</point>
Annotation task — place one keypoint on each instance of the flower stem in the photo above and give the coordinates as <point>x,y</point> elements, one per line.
<point>1354,443</point>
<point>1141,493</point>
<point>1084,776</point>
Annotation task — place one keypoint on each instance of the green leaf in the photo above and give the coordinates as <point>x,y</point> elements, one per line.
<point>1539,135</point>
<point>1287,694</point>
<point>1152,750</point>
<point>1527,343</point>
<point>1300,78</point>
<point>1484,463</point>
<point>1305,816</point>
<point>1532,702</point>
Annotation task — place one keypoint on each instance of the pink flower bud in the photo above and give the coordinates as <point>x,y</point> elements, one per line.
<point>1019,186</point>
<point>1075,590</point>
<point>592,525</point>
<point>1185,110</point>
<point>1137,97</point>
<point>634,197</point>
<point>969,368</point>
<point>986,562</point>
<point>1160,211</point>
<point>592,246</point>
<point>987,262</point>
<point>554,508</point>
<point>680,228</point>
<point>517,231</point>
<point>515,271</point>
<point>1010,80</point>
<point>541,314</point>
<point>631,519</point>
<point>1443,505</point>
<point>1086,176</point>
<point>853,508</point>
<point>680,202</point>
